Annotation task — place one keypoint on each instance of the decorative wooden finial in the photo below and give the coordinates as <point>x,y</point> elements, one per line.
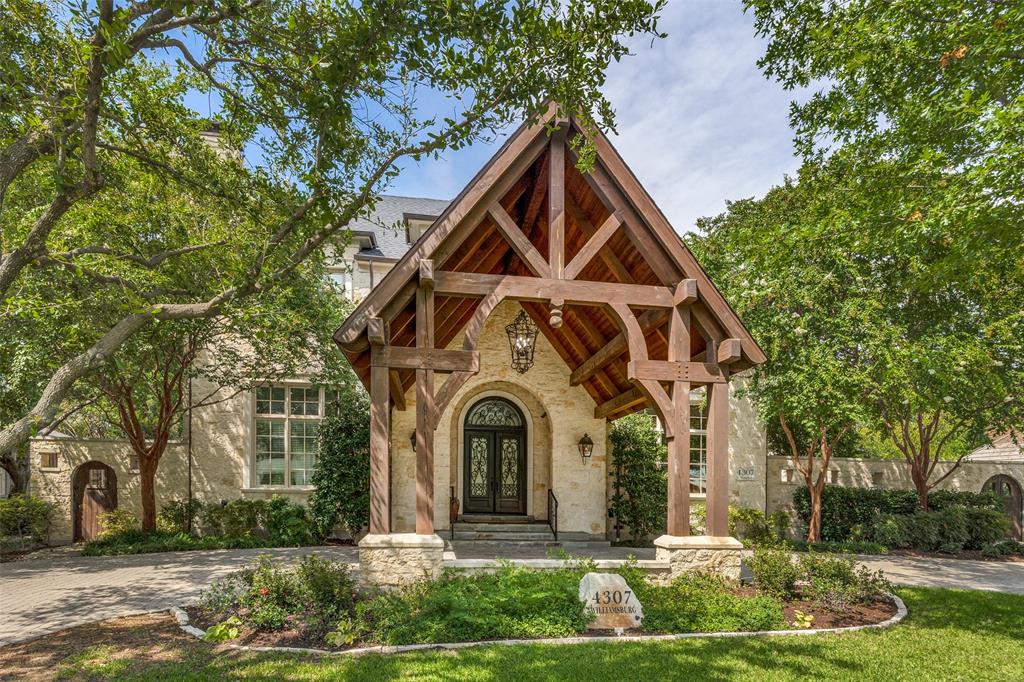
<point>556,312</point>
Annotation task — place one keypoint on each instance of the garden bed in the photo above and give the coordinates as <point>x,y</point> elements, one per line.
<point>316,605</point>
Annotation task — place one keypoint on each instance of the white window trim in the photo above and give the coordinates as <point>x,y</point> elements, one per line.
<point>254,485</point>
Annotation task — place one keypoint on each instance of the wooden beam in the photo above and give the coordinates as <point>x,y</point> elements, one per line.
<point>449,388</point>
<point>436,359</point>
<point>396,390</point>
<point>609,257</point>
<point>380,436</point>
<point>729,351</point>
<point>593,245</point>
<point>526,251</point>
<point>573,292</point>
<point>718,460</point>
<point>619,403</point>
<point>693,372</point>
<point>614,348</point>
<point>376,331</point>
<point>425,402</point>
<point>556,203</point>
<point>540,190</point>
<point>678,521</point>
<point>686,292</point>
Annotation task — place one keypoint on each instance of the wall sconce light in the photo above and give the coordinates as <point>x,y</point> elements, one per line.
<point>586,446</point>
<point>412,440</point>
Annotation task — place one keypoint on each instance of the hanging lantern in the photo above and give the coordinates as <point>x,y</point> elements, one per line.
<point>586,446</point>
<point>522,337</point>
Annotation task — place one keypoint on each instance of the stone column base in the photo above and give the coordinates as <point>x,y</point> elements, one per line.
<point>700,554</point>
<point>399,559</point>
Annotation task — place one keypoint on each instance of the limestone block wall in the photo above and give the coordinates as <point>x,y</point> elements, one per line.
<point>557,414</point>
<point>748,449</point>
<point>784,479</point>
<point>54,485</point>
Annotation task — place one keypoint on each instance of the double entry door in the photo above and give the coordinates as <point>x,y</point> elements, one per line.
<point>494,472</point>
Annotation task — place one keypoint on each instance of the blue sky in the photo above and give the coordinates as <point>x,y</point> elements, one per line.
<point>697,121</point>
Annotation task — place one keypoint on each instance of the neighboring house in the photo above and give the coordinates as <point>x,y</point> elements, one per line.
<point>620,322</point>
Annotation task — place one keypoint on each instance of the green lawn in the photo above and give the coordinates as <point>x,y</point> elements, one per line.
<point>950,635</point>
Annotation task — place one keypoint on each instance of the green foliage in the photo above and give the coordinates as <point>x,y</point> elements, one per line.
<point>179,516</point>
<point>802,620</point>
<point>774,572</point>
<point>950,529</point>
<point>694,603</point>
<point>836,582</point>
<point>117,522</point>
<point>237,524</point>
<point>1004,548</point>
<point>846,547</point>
<point>341,483</point>
<point>223,631</point>
<point>311,595</point>
<point>24,517</point>
<point>750,525</point>
<point>846,508</point>
<point>639,483</point>
<point>510,603</point>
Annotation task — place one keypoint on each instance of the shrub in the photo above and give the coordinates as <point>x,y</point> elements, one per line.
<point>845,508</point>
<point>25,516</point>
<point>836,582</point>
<point>179,516</point>
<point>236,518</point>
<point>276,522</point>
<point>117,522</point>
<point>326,584</point>
<point>341,483</point>
<point>510,603</point>
<point>754,527</point>
<point>640,485</point>
<point>695,603</point>
<point>985,526</point>
<point>1004,548</point>
<point>775,574</point>
<point>288,523</point>
<point>889,530</point>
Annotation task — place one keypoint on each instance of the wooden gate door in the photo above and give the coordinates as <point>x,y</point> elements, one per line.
<point>95,492</point>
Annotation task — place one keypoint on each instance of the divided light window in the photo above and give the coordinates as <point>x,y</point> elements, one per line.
<point>698,447</point>
<point>287,421</point>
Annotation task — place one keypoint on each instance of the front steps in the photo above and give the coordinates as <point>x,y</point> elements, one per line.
<point>481,532</point>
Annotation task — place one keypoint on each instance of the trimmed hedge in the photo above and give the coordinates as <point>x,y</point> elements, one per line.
<point>844,509</point>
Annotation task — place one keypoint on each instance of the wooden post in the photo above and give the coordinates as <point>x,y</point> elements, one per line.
<point>380,436</point>
<point>425,403</point>
<point>556,204</point>
<point>718,459</point>
<point>679,444</point>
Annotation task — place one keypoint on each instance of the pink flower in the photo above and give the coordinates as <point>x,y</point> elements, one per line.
<point>264,591</point>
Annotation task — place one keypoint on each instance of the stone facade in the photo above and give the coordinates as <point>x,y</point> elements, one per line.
<point>700,554</point>
<point>557,416</point>
<point>399,559</point>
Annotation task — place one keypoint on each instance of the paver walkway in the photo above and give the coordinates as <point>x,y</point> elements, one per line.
<point>38,596</point>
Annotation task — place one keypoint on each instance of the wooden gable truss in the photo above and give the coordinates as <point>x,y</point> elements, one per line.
<point>601,272</point>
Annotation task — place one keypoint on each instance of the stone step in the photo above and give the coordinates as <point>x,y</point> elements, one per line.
<point>498,544</point>
<point>498,536</point>
<point>502,527</point>
<point>496,518</point>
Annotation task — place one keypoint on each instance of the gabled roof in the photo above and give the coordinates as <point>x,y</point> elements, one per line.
<point>643,250</point>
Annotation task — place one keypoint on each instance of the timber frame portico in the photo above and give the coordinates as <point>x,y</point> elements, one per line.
<point>597,267</point>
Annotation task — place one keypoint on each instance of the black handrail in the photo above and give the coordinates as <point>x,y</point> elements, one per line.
<point>451,522</point>
<point>553,513</point>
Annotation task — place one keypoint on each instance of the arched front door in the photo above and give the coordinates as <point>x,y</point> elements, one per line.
<point>94,491</point>
<point>1008,489</point>
<point>494,465</point>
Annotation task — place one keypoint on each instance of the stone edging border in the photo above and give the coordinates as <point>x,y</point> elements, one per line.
<point>901,612</point>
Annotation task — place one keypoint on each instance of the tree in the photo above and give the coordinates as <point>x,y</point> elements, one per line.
<point>918,115</point>
<point>341,482</point>
<point>318,106</point>
<point>796,285</point>
<point>639,479</point>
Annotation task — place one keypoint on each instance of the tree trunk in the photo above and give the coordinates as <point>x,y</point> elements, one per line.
<point>814,525</point>
<point>147,489</point>
<point>18,469</point>
<point>921,486</point>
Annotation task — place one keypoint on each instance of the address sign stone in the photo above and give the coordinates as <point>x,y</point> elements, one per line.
<point>612,602</point>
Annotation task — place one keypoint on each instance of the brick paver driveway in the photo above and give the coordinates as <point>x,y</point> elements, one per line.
<point>38,596</point>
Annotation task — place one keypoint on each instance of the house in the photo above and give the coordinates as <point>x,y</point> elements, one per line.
<point>499,335</point>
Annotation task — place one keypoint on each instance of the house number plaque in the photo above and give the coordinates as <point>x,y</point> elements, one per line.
<point>611,601</point>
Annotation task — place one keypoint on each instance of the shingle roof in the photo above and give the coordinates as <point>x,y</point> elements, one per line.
<point>389,213</point>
